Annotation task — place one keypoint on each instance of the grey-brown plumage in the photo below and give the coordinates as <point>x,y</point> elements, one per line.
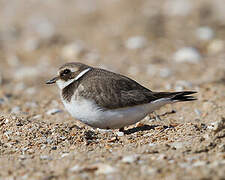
<point>111,91</point>
<point>104,99</point>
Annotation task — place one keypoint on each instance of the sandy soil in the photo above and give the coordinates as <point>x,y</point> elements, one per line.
<point>164,45</point>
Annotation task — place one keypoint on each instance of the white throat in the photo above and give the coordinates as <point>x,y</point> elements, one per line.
<point>62,84</point>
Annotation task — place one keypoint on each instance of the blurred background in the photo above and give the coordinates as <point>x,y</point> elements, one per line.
<point>144,39</point>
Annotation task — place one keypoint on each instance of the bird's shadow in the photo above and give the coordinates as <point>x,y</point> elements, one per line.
<point>143,128</point>
<point>140,128</point>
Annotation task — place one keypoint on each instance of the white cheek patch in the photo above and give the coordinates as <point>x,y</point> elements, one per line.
<point>62,84</point>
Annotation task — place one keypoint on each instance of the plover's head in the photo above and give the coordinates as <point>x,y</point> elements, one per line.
<point>69,73</point>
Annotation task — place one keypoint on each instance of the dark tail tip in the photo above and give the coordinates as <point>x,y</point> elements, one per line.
<point>184,96</point>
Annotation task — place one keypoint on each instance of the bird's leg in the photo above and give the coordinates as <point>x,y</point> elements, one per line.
<point>157,117</point>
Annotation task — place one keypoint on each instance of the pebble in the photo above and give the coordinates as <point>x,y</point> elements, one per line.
<point>64,155</point>
<point>180,85</point>
<point>165,72</point>
<point>187,54</point>
<point>204,33</point>
<point>199,163</point>
<point>161,157</point>
<point>136,42</point>
<point>216,46</point>
<point>178,7</point>
<point>38,116</point>
<point>13,60</point>
<point>133,70</point>
<point>73,50</point>
<point>217,126</point>
<point>120,134</point>
<point>42,26</point>
<point>53,111</point>
<point>15,110</point>
<point>31,90</point>
<point>152,144</point>
<point>19,86</point>
<point>45,157</point>
<point>31,44</point>
<point>217,163</point>
<point>198,112</point>
<point>2,101</point>
<point>31,104</point>
<point>130,159</point>
<point>75,168</point>
<point>185,165</point>
<point>105,169</point>
<point>177,145</point>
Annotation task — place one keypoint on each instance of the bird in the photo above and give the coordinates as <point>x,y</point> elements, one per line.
<point>103,99</point>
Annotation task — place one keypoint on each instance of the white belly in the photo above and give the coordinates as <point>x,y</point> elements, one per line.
<point>89,113</point>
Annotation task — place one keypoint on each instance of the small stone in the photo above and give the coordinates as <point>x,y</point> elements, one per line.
<point>217,126</point>
<point>185,165</point>
<point>180,85</point>
<point>2,101</point>
<point>178,7</point>
<point>198,112</point>
<point>216,46</point>
<point>45,157</point>
<point>31,104</point>
<point>133,70</point>
<point>204,33</point>
<point>75,168</point>
<point>31,90</point>
<point>120,134</point>
<point>161,157</point>
<point>152,144</point>
<point>165,72</point>
<point>73,50</point>
<point>42,26</point>
<point>38,116</point>
<point>53,111</point>
<point>136,42</point>
<point>13,60</point>
<point>199,163</point>
<point>151,170</point>
<point>15,110</point>
<point>130,159</point>
<point>64,155</point>
<point>187,54</point>
<point>105,169</point>
<point>31,44</point>
<point>178,145</point>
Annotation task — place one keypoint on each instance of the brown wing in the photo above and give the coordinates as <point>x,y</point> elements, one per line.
<point>111,91</point>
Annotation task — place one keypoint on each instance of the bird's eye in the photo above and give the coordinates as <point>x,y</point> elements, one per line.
<point>65,72</point>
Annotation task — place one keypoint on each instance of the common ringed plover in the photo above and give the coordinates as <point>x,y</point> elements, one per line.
<point>106,100</point>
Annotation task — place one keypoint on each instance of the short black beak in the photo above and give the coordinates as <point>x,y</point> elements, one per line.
<point>52,81</point>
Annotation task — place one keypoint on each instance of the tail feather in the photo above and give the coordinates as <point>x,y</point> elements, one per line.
<point>177,96</point>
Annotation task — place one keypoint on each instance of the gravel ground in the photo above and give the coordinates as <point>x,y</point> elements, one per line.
<point>164,45</point>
